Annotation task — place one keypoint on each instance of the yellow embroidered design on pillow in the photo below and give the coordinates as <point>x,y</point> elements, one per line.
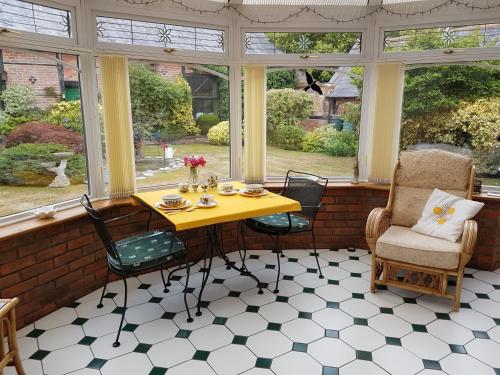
<point>443,213</point>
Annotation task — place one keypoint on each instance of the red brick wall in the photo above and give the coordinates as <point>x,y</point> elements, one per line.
<point>51,267</point>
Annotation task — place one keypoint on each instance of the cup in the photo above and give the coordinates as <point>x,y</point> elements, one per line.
<point>207,199</point>
<point>204,186</point>
<point>183,187</point>
<point>255,188</point>
<point>194,187</point>
<point>227,187</point>
<point>172,199</point>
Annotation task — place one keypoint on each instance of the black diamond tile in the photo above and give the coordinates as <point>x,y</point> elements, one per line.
<point>333,264</point>
<point>418,328</point>
<point>464,305</point>
<point>117,310</point>
<point>158,371</point>
<point>201,355</point>
<point>481,335</point>
<point>330,370</point>
<point>288,277</point>
<point>110,295</point>
<point>204,304</point>
<point>252,309</point>
<point>177,277</point>
<point>431,365</point>
<point>497,371</point>
<point>355,274</point>
<point>96,363</point>
<point>240,340</point>
<point>358,296</point>
<point>496,286</point>
<point>393,341</point>
<point>468,275</point>
<point>142,348</point>
<point>365,356</point>
<point>305,315</point>
<point>253,256</point>
<point>217,281</point>
<point>361,321</point>
<point>87,340</point>
<point>353,258</point>
<point>168,315</point>
<point>409,300</point>
<point>497,321</point>
<point>188,290</point>
<point>220,320</point>
<point>443,316</point>
<point>183,333</point>
<point>158,299</point>
<point>35,333</point>
<point>129,327</point>
<point>308,290</point>
<point>332,333</point>
<point>332,305</point>
<point>293,260</point>
<point>202,269</point>
<point>311,270</point>
<point>351,249</point>
<point>460,349</point>
<point>274,326</point>
<point>234,294</point>
<point>381,287</point>
<point>144,286</point>
<point>282,299</point>
<point>333,282</point>
<point>79,321</point>
<point>299,347</point>
<point>482,296</point>
<point>263,362</point>
<point>40,354</point>
<point>270,266</point>
<point>73,305</point>
<point>386,310</point>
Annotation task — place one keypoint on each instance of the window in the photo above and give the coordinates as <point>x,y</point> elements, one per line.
<point>42,149</point>
<point>179,110</point>
<point>455,108</point>
<point>470,36</point>
<point>141,33</point>
<point>273,43</point>
<point>309,131</point>
<point>41,19</point>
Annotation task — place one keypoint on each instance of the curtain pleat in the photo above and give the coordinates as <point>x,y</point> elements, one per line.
<point>118,126</point>
<point>255,123</point>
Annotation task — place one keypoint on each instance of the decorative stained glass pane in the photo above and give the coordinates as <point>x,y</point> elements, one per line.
<point>298,43</point>
<point>141,33</point>
<point>41,19</point>
<point>471,36</point>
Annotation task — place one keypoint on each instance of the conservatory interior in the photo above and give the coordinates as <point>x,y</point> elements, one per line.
<point>250,187</point>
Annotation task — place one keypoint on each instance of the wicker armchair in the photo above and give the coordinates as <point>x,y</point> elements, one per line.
<point>410,260</point>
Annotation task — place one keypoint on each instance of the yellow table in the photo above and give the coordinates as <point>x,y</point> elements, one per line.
<point>229,208</point>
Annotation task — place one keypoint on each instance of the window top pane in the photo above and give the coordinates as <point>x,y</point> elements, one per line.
<point>153,34</point>
<point>280,43</point>
<point>40,19</point>
<point>424,39</point>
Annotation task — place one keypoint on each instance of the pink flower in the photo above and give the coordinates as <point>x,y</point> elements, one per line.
<point>194,161</point>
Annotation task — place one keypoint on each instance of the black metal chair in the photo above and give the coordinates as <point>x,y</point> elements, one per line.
<point>306,188</point>
<point>135,254</point>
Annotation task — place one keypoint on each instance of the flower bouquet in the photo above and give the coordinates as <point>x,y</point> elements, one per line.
<point>193,162</point>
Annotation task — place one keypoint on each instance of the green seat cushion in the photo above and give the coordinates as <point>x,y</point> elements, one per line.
<point>146,250</point>
<point>279,223</point>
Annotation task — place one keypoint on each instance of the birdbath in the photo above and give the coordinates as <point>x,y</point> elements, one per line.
<point>61,180</point>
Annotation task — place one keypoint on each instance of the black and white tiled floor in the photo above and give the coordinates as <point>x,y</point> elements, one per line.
<point>314,326</point>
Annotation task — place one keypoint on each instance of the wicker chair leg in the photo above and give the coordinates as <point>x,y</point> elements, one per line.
<point>458,290</point>
<point>373,275</point>
<point>13,342</point>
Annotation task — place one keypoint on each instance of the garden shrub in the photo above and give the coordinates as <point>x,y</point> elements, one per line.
<point>17,100</point>
<point>10,123</point>
<point>206,121</point>
<point>289,137</point>
<point>22,165</point>
<point>67,114</point>
<point>343,143</point>
<point>352,114</point>
<point>39,132</point>
<point>316,140</point>
<point>219,134</point>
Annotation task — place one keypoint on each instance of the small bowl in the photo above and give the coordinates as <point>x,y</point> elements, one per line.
<point>255,188</point>
<point>172,199</point>
<point>46,212</point>
<point>227,187</point>
<point>183,187</point>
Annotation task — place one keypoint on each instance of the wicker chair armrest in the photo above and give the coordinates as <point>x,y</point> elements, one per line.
<point>378,222</point>
<point>468,243</point>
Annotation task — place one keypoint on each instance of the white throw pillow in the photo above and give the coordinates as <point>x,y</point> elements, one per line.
<point>444,215</point>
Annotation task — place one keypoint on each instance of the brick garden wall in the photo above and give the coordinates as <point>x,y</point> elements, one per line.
<point>51,267</point>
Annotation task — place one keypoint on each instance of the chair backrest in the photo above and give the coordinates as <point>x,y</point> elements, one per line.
<point>306,188</point>
<point>99,225</point>
<point>418,173</point>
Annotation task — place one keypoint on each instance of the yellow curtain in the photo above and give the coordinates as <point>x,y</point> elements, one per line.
<point>387,118</point>
<point>118,126</point>
<point>255,123</point>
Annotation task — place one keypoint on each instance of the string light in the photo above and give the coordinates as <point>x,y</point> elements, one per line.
<point>307,9</point>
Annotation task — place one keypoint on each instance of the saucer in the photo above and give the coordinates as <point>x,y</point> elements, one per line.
<point>210,205</point>
<point>232,192</point>
<point>185,204</point>
<point>246,193</point>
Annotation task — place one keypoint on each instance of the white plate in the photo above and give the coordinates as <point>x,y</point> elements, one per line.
<point>161,206</point>
<point>246,194</point>
<point>210,205</point>
<point>232,192</point>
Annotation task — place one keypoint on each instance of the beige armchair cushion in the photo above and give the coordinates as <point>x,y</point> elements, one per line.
<point>419,173</point>
<point>403,245</point>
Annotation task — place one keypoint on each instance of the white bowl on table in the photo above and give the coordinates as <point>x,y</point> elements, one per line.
<point>172,199</point>
<point>254,188</point>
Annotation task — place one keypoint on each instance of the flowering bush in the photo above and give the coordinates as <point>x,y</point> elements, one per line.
<point>194,161</point>
<point>17,100</point>
<point>67,114</point>
<point>219,134</point>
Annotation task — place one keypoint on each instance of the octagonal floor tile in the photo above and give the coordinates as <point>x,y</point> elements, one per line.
<point>102,325</point>
<point>486,351</point>
<point>146,312</point>
<point>27,346</point>
<point>131,363</point>
<point>359,367</point>
<point>476,286</point>
<point>134,297</point>
<point>213,292</point>
<point>331,352</point>
<point>302,330</point>
<point>309,280</point>
<point>397,360</point>
<point>307,302</point>
<point>278,312</point>
<point>295,363</point>
<point>191,367</point>
<point>472,320</point>
<point>414,313</point>
<point>231,359</point>
<point>494,333</point>
<point>67,359</point>
<point>57,318</point>
<point>450,332</point>
<point>269,344</point>
<point>175,302</point>
<point>246,324</point>
<point>60,337</point>
<point>333,293</point>
<point>355,284</point>
<point>156,331</point>
<point>239,283</point>
<point>30,366</point>
<point>390,325</point>
<point>384,298</point>
<point>252,297</point>
<point>171,352</point>
<point>359,308</point>
<point>462,364</point>
<point>103,346</point>
<point>211,337</point>
<point>487,277</point>
<point>487,306</point>
<point>362,338</point>
<point>355,266</point>
<point>334,256</point>
<point>204,320</point>
<point>332,319</point>
<point>425,346</point>
<point>310,262</point>
<point>227,307</point>
<point>435,303</point>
